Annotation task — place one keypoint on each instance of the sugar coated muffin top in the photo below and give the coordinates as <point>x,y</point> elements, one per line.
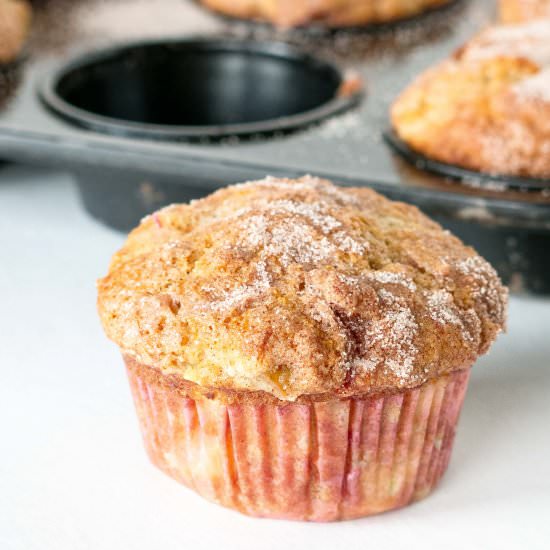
<point>487,107</point>
<point>299,288</point>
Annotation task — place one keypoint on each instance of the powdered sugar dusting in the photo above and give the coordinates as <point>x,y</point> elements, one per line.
<point>288,241</point>
<point>314,212</point>
<point>383,341</point>
<point>394,334</point>
<point>306,233</point>
<point>288,231</point>
<point>506,146</point>
<point>442,309</point>
<point>348,244</point>
<point>363,366</point>
<point>487,287</point>
<point>388,277</point>
<point>536,87</point>
<point>294,231</point>
<point>528,41</point>
<point>238,297</point>
<point>305,183</point>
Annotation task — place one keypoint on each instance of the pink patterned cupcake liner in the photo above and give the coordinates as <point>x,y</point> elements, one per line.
<point>317,461</point>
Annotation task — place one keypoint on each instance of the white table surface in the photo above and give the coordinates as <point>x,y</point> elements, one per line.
<point>73,474</point>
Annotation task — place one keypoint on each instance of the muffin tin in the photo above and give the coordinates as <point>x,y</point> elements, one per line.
<point>463,175</point>
<point>128,165</point>
<point>201,88</point>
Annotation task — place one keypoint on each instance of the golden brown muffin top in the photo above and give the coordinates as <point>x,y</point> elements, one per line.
<point>525,40</point>
<point>520,109</point>
<point>333,13</point>
<point>529,42</point>
<point>487,107</point>
<point>299,287</point>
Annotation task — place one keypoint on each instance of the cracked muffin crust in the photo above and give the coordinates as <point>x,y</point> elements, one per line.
<point>487,108</point>
<point>332,13</point>
<point>15,18</point>
<point>297,290</point>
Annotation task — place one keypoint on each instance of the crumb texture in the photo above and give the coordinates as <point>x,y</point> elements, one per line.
<point>487,108</point>
<point>333,13</point>
<point>299,287</point>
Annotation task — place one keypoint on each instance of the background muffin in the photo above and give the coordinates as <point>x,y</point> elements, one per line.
<point>311,344</point>
<point>488,107</point>
<point>15,18</point>
<point>515,11</point>
<point>333,13</point>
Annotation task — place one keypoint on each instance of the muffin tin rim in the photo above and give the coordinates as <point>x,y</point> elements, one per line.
<point>458,173</point>
<point>122,128</point>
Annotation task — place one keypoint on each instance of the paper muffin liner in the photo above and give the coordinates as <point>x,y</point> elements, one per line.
<point>318,461</point>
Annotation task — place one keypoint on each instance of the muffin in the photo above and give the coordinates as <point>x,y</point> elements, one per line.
<point>487,108</point>
<point>299,350</point>
<point>516,11</point>
<point>332,13</point>
<point>15,18</point>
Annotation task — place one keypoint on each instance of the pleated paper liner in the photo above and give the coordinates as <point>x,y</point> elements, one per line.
<point>318,461</point>
<point>452,171</point>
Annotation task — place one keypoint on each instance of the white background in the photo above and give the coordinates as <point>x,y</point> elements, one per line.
<point>73,474</point>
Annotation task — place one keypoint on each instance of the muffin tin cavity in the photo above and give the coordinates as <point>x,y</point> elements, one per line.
<point>462,175</point>
<point>194,89</point>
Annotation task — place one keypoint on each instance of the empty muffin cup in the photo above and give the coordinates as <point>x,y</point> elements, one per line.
<point>203,88</point>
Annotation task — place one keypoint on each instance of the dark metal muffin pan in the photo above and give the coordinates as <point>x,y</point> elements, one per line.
<point>188,89</point>
<point>123,177</point>
<point>460,174</point>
